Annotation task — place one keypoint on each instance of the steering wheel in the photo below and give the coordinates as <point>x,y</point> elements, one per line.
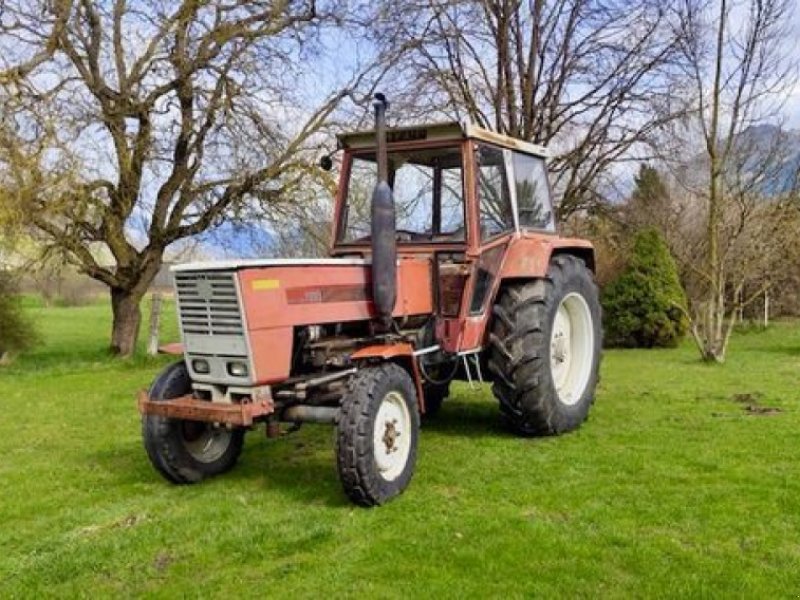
<point>410,235</point>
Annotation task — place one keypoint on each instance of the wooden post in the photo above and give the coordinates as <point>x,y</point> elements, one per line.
<point>155,321</point>
<point>740,305</point>
<point>766,307</point>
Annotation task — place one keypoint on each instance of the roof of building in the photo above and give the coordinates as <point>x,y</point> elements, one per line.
<point>452,130</point>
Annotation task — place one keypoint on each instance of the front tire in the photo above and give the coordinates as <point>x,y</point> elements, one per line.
<point>545,351</point>
<point>377,434</point>
<point>186,451</point>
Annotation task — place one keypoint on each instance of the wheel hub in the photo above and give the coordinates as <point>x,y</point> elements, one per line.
<point>392,436</point>
<point>559,348</point>
<point>571,348</point>
<point>205,442</point>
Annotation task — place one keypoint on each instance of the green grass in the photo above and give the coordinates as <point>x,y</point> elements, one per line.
<point>672,488</point>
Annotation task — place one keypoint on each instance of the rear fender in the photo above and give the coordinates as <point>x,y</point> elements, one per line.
<point>529,257</point>
<point>401,353</point>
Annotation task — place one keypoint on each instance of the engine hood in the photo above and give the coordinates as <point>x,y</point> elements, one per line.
<point>250,263</point>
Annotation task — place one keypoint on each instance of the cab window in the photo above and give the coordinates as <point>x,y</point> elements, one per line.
<point>428,194</point>
<point>494,199</point>
<point>533,192</point>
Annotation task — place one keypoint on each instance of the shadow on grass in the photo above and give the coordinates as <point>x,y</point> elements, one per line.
<point>463,418</point>
<point>307,480</point>
<point>777,349</point>
<point>305,474</point>
<point>300,466</point>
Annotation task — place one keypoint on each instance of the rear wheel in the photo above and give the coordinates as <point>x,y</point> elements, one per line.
<point>377,435</point>
<point>435,395</point>
<point>186,451</point>
<point>438,370</point>
<point>545,349</point>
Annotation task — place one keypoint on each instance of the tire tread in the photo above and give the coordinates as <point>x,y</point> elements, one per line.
<point>518,352</point>
<point>354,459</point>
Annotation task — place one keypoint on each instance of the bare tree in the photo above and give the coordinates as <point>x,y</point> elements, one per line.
<point>589,78</point>
<point>128,126</point>
<point>740,72</point>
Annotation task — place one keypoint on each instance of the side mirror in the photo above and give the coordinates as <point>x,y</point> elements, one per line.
<point>326,162</point>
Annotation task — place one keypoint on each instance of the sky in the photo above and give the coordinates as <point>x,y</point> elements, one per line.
<point>338,56</point>
<point>338,52</point>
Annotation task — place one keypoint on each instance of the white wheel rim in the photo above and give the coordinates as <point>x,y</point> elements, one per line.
<point>571,348</point>
<point>391,440</point>
<point>207,445</point>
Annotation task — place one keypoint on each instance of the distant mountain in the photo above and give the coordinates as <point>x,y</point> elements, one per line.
<point>767,155</point>
<point>774,151</point>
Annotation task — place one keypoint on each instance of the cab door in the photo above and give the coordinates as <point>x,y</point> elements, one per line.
<point>492,219</point>
<point>451,268</point>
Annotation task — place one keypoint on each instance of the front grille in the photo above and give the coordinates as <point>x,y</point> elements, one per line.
<point>208,304</point>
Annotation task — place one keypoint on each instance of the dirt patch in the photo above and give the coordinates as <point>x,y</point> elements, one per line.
<point>753,409</point>
<point>748,398</point>
<point>752,406</point>
<point>129,521</point>
<point>162,561</point>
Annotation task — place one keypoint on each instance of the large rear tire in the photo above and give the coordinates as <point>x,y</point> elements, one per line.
<point>546,342</point>
<point>186,451</point>
<point>377,433</point>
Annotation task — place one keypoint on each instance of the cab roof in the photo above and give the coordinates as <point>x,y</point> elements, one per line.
<point>439,132</point>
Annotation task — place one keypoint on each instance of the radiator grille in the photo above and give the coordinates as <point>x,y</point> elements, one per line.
<point>208,304</point>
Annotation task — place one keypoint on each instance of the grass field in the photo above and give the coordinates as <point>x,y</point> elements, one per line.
<point>682,483</point>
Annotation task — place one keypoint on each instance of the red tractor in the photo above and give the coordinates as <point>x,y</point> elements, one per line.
<point>445,265</point>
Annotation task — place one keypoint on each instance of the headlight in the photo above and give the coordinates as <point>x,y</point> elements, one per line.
<point>237,369</point>
<point>200,365</point>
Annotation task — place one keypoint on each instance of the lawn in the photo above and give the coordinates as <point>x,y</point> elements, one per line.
<point>685,481</point>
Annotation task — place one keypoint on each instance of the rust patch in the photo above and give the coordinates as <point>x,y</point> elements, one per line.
<point>192,409</point>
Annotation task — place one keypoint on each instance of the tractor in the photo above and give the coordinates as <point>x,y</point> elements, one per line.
<point>445,265</point>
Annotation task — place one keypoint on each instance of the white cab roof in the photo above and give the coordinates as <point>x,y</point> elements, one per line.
<point>452,130</point>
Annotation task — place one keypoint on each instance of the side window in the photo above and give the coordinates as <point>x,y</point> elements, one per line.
<point>533,193</point>
<point>496,213</point>
<point>359,195</point>
<point>452,199</point>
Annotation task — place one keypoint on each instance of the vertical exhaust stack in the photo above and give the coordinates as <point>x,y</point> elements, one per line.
<point>384,238</point>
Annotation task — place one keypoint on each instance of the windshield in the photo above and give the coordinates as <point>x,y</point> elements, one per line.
<point>428,196</point>
<point>500,169</point>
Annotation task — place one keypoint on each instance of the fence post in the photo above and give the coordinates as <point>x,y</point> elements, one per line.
<point>155,321</point>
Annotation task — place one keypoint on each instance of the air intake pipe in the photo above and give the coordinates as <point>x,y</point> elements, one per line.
<point>384,239</point>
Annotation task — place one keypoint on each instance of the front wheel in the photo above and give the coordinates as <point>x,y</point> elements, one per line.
<point>186,451</point>
<point>545,349</point>
<point>377,431</point>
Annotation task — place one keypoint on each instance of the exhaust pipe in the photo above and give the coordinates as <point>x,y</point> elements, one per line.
<point>302,413</point>
<point>384,243</point>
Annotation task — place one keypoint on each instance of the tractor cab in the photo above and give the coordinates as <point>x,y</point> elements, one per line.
<point>454,185</point>
<point>461,194</point>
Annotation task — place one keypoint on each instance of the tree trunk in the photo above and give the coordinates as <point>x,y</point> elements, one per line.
<point>127,318</point>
